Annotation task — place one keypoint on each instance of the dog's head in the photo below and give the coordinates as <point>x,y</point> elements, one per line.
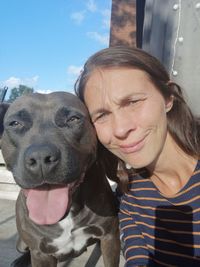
<point>3,109</point>
<point>48,143</point>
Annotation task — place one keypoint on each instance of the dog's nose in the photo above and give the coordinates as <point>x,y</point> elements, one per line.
<point>42,158</point>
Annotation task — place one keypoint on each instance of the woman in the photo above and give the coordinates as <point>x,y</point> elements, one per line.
<point>142,118</point>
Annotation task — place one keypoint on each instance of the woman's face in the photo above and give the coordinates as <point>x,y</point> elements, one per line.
<point>129,114</point>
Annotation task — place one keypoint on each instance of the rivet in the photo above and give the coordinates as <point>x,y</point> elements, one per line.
<point>180,39</point>
<point>174,73</point>
<point>175,7</point>
<point>197,5</point>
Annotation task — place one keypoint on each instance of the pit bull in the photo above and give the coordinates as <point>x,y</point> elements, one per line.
<point>65,203</point>
<point>3,109</point>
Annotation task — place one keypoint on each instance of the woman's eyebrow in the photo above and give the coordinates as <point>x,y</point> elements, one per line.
<point>120,102</point>
<point>128,97</point>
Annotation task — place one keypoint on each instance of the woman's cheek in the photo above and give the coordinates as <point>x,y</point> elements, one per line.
<point>103,133</point>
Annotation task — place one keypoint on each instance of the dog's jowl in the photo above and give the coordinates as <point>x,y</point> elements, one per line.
<point>65,203</point>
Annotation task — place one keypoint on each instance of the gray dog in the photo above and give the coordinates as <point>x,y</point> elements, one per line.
<point>65,203</point>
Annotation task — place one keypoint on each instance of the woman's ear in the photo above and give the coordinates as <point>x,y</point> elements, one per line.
<point>169,103</point>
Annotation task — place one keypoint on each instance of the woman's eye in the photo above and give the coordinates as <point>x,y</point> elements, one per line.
<point>100,118</point>
<point>132,102</point>
<point>135,103</point>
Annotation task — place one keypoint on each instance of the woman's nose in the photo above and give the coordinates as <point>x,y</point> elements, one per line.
<point>122,125</point>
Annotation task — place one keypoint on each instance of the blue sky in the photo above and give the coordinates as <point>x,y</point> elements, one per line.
<point>44,43</point>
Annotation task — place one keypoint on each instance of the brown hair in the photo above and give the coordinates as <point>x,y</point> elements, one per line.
<point>182,124</point>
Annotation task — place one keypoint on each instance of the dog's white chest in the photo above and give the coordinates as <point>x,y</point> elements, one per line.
<point>71,239</point>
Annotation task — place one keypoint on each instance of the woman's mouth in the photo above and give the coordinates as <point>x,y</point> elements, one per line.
<point>133,147</point>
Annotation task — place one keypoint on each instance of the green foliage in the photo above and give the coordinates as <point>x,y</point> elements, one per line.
<point>18,91</point>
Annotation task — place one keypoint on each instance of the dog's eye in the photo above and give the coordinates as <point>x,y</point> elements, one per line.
<point>14,124</point>
<point>68,119</point>
<point>73,119</point>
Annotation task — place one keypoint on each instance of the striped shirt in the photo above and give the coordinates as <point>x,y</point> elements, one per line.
<point>161,231</point>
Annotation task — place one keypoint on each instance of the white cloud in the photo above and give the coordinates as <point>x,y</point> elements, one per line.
<point>78,17</point>
<point>11,82</point>
<point>41,91</point>
<point>72,74</point>
<point>91,5</point>
<point>31,81</point>
<point>74,70</point>
<point>70,90</point>
<point>15,82</point>
<point>101,38</point>
<point>106,13</point>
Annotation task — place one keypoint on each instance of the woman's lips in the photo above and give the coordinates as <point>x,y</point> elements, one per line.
<point>132,148</point>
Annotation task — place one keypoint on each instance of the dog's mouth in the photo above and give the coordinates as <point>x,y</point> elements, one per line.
<point>48,203</point>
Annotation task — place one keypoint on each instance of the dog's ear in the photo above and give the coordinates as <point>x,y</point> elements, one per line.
<point>3,109</point>
<point>114,168</point>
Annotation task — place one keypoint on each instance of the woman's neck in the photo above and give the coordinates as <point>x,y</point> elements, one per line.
<point>172,169</point>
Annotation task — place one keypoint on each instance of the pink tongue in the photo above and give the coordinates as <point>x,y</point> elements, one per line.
<point>47,206</point>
